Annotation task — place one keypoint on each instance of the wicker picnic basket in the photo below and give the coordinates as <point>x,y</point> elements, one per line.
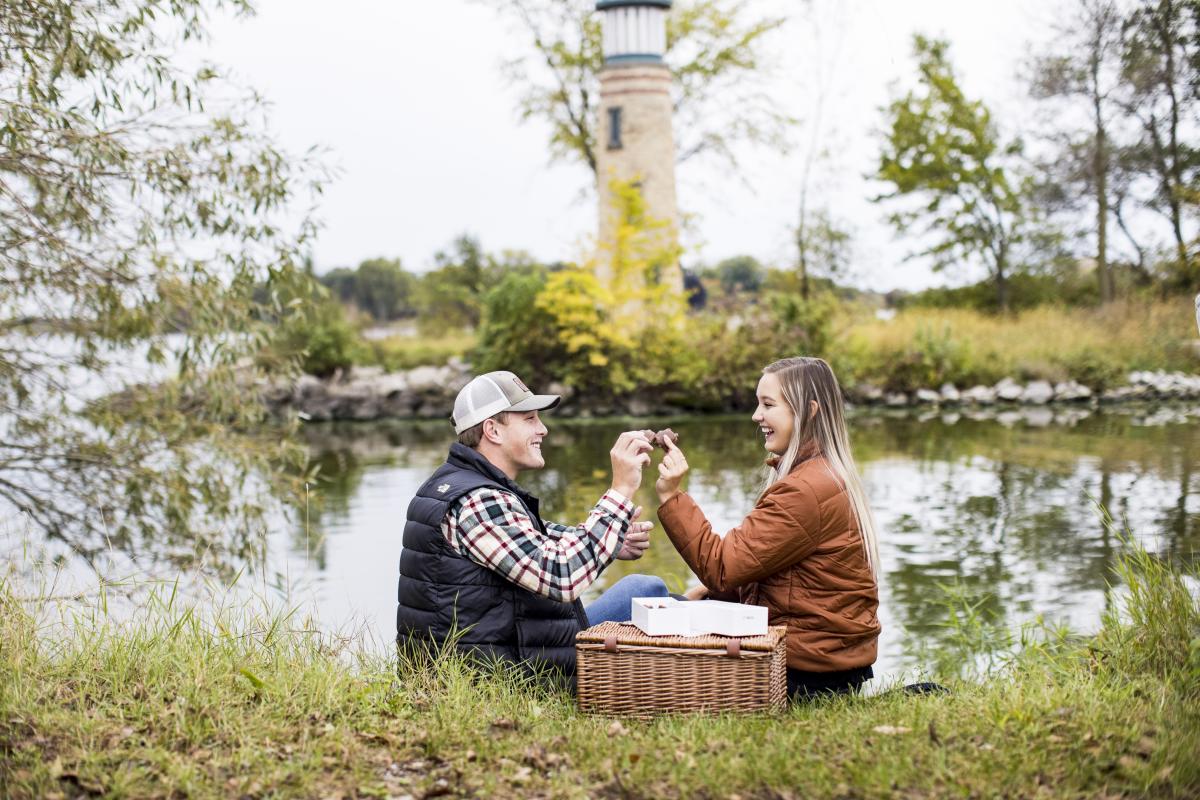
<point>623,672</point>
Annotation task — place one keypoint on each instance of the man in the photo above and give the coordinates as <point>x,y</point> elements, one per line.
<point>480,566</point>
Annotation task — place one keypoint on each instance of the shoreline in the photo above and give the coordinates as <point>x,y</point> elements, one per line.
<point>368,393</point>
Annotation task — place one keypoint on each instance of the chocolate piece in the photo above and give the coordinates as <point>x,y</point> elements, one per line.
<point>660,438</point>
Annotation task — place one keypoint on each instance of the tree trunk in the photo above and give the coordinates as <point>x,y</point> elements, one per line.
<point>1001,284</point>
<point>1174,182</point>
<point>1100,182</point>
<point>803,274</point>
<point>1107,290</point>
<point>802,253</point>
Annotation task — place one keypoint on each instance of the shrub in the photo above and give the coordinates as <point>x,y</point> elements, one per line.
<point>514,334</point>
<point>324,339</point>
<point>803,327</point>
<point>1091,368</point>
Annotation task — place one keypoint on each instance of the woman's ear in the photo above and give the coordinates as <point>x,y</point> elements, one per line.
<point>813,406</point>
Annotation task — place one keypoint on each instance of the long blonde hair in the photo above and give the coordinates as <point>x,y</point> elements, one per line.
<point>804,379</point>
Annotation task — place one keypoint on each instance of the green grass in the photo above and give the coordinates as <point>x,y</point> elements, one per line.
<point>186,703</point>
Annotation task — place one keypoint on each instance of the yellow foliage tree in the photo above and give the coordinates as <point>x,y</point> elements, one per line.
<point>623,331</point>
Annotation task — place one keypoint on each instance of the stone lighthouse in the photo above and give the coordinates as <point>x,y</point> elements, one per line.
<point>634,142</point>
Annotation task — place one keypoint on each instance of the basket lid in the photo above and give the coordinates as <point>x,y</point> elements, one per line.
<point>629,634</point>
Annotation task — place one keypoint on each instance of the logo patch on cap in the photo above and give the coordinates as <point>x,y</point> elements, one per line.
<point>518,382</point>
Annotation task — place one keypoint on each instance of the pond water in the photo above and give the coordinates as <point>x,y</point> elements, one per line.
<point>1002,506</point>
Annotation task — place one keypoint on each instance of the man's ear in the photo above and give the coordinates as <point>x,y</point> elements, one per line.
<point>492,431</point>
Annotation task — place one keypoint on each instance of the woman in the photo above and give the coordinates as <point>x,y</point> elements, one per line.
<point>807,551</point>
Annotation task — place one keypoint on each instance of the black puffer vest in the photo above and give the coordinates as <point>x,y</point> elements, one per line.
<point>442,591</point>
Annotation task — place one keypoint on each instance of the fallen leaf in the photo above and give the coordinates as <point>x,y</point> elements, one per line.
<point>535,756</point>
<point>503,724</point>
<point>634,758</point>
<point>933,734</point>
<point>891,730</point>
<point>617,729</point>
<point>439,788</point>
<point>522,775</point>
<point>1164,774</point>
<point>1145,747</point>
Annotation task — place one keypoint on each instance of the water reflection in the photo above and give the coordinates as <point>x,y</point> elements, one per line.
<point>1003,505</point>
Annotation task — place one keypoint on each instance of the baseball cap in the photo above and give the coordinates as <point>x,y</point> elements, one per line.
<point>489,394</point>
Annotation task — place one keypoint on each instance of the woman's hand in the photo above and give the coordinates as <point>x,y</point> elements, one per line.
<point>670,472</point>
<point>696,592</point>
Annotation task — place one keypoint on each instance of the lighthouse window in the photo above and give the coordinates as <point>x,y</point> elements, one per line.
<point>614,128</point>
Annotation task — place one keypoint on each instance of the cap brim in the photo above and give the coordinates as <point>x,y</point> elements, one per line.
<point>539,402</point>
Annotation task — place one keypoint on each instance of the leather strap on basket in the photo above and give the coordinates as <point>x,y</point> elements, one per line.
<point>610,644</point>
<point>733,648</point>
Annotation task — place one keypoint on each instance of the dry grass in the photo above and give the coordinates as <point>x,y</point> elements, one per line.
<point>1098,347</point>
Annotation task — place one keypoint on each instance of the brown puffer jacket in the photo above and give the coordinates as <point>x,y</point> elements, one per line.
<point>798,553</point>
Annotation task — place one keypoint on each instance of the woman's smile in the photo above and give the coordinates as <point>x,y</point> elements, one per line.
<point>773,415</point>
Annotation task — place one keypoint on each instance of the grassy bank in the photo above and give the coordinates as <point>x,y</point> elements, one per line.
<point>261,706</point>
<point>1095,346</point>
<point>918,348</point>
<point>400,352</point>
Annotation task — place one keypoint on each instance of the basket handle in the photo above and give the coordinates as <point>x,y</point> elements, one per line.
<point>733,648</point>
<point>610,644</point>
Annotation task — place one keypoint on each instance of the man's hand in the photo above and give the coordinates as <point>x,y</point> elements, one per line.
<point>629,455</point>
<point>637,540</point>
<point>670,472</point>
<point>696,592</point>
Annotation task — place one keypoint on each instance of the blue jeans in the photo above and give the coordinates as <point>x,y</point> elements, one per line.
<point>613,605</point>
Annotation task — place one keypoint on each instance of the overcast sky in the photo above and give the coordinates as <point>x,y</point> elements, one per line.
<point>409,100</point>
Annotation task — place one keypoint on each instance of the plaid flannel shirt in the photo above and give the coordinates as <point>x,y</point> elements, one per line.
<point>492,529</point>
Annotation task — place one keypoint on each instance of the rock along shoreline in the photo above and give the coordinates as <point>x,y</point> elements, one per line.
<point>369,393</point>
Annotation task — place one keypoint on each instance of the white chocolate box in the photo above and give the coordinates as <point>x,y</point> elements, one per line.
<point>666,616</point>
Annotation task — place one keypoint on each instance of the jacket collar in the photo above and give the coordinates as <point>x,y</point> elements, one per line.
<point>808,451</point>
<point>468,458</point>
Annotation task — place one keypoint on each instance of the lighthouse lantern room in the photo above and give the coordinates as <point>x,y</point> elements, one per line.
<point>634,31</point>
